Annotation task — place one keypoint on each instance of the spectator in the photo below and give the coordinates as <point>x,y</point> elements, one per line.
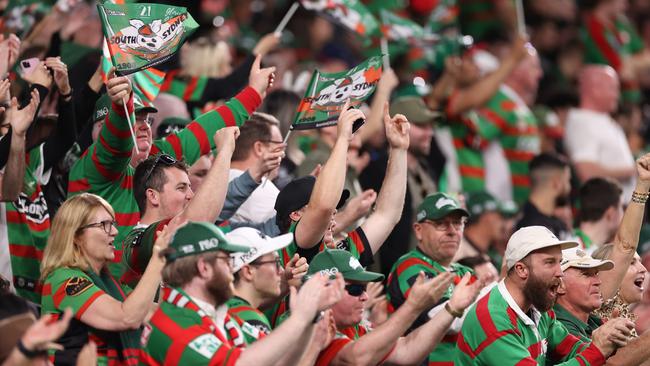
<point>485,271</point>
<point>258,279</point>
<point>438,229</point>
<point>260,141</point>
<point>198,273</point>
<point>484,226</point>
<point>74,274</point>
<point>595,142</point>
<point>600,213</point>
<point>528,292</point>
<point>359,345</point>
<point>550,179</point>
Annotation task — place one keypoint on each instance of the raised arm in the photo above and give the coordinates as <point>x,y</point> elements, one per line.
<point>328,186</point>
<point>390,200</point>
<point>385,87</point>
<point>208,201</point>
<point>627,236</point>
<point>480,92</point>
<point>20,120</point>
<point>371,348</point>
<point>193,142</point>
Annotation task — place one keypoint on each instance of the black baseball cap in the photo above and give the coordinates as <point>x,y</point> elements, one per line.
<point>295,196</point>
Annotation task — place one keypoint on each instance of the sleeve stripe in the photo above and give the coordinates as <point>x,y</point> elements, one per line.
<point>121,134</point>
<point>484,317</point>
<point>227,116</point>
<point>201,137</point>
<point>175,143</point>
<point>596,31</point>
<point>250,99</point>
<point>409,263</point>
<point>88,302</point>
<point>113,151</point>
<point>190,89</point>
<point>101,169</point>
<point>564,348</point>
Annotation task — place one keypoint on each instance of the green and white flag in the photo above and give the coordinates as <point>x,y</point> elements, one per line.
<point>327,93</point>
<point>144,35</point>
<point>398,29</point>
<point>351,14</point>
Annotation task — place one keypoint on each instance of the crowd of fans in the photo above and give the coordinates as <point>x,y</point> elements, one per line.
<point>490,211</point>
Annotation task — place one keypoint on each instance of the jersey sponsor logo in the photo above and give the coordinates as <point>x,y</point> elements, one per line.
<point>253,331</point>
<point>206,345</point>
<point>34,211</point>
<point>77,286</point>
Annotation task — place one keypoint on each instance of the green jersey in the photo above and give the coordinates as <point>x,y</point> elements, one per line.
<point>506,118</point>
<point>253,322</point>
<point>26,228</point>
<point>401,278</point>
<point>181,333</point>
<point>104,169</point>
<point>496,331</point>
<point>76,289</point>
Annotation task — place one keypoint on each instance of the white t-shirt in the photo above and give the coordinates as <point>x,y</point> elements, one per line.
<point>592,136</point>
<point>259,207</point>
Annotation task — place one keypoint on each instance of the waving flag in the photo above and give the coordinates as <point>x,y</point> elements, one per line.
<point>327,93</point>
<point>143,35</point>
<point>398,29</point>
<point>351,14</point>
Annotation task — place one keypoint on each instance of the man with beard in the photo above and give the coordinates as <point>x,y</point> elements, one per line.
<point>550,181</point>
<point>192,326</point>
<point>514,324</point>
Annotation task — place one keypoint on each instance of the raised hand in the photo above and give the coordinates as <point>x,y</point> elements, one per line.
<point>465,293</point>
<point>21,119</point>
<point>5,97</point>
<point>427,292</point>
<point>118,87</point>
<point>41,335</point>
<point>163,238</point>
<point>60,74</point>
<point>519,48</point>
<point>224,139</point>
<point>260,78</point>
<point>295,270</point>
<point>10,48</point>
<point>346,120</point>
<point>397,130</point>
<point>615,333</point>
<point>388,81</point>
<point>269,163</point>
<point>643,168</point>
<point>266,44</point>
<point>317,294</point>
<point>360,205</point>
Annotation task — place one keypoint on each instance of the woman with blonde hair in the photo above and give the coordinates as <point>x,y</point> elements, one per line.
<point>75,275</point>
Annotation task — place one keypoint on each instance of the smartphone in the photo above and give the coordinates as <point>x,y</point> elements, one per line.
<point>28,66</point>
<point>357,123</point>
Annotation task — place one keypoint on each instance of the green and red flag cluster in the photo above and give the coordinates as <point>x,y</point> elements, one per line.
<point>399,29</point>
<point>351,14</point>
<point>144,35</point>
<point>327,93</point>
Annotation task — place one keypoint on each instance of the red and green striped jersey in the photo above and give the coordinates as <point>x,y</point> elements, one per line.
<point>401,278</point>
<point>342,338</point>
<point>188,88</point>
<point>181,333</point>
<point>137,248</point>
<point>468,145</point>
<point>610,44</point>
<point>104,168</point>
<point>507,118</point>
<point>73,288</point>
<point>254,324</point>
<point>27,227</point>
<point>496,331</point>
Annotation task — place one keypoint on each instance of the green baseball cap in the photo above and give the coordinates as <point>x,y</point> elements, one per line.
<point>333,261</point>
<point>437,206</point>
<point>509,208</point>
<point>200,237</point>
<point>103,105</point>
<point>415,110</point>
<point>480,202</point>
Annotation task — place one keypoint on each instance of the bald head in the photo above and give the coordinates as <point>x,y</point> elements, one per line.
<point>599,88</point>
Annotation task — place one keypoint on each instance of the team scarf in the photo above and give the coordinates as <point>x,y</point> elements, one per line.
<point>144,35</point>
<point>327,93</point>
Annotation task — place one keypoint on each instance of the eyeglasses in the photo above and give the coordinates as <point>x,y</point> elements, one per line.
<point>148,120</point>
<point>272,142</point>
<point>443,225</point>
<point>166,159</point>
<point>277,261</point>
<point>107,225</point>
<point>355,289</point>
<point>228,259</point>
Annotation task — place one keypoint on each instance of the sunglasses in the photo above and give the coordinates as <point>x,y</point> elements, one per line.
<point>165,159</point>
<point>355,289</point>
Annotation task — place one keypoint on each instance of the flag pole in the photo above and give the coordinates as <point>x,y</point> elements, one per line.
<point>521,22</point>
<point>287,17</point>
<point>384,51</point>
<point>131,125</point>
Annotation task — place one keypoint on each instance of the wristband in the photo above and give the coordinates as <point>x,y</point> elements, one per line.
<point>66,96</point>
<point>30,354</point>
<point>639,197</point>
<point>452,312</point>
